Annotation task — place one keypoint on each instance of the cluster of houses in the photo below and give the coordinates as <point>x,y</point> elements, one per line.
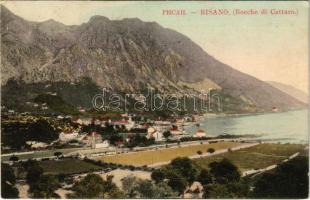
<point>92,139</point>
<point>126,127</point>
<point>152,129</point>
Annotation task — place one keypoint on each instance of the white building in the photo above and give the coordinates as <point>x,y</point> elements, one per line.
<point>83,121</point>
<point>162,125</point>
<point>36,145</point>
<point>92,139</point>
<point>154,133</point>
<point>67,136</point>
<point>104,144</point>
<point>60,117</point>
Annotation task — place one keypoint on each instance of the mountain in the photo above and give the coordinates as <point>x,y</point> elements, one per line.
<point>126,55</point>
<point>290,90</point>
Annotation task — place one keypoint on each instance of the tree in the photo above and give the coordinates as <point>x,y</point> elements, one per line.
<point>210,150</point>
<point>163,190</point>
<point>138,188</point>
<point>57,154</point>
<point>129,184</point>
<point>93,186</point>
<point>111,190</point>
<point>179,174</point>
<point>204,177</point>
<point>158,175</point>
<point>12,134</point>
<point>41,131</point>
<point>177,182</point>
<point>34,174</point>
<point>41,186</point>
<point>238,189</point>
<point>146,189</point>
<point>89,187</point>
<point>289,180</point>
<point>8,180</point>
<point>139,140</point>
<point>216,191</point>
<point>224,171</point>
<point>8,191</point>
<point>45,187</point>
<point>166,134</point>
<point>186,168</point>
<point>199,153</point>
<point>14,158</point>
<point>29,164</point>
<point>7,173</point>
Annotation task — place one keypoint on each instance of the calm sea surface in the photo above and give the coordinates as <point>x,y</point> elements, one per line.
<point>289,126</point>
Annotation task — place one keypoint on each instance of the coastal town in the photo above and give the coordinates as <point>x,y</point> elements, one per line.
<point>124,147</point>
<point>92,132</point>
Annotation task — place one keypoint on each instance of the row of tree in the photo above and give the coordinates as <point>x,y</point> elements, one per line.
<point>16,134</point>
<point>134,187</point>
<point>94,186</point>
<point>182,172</point>
<point>40,185</point>
<point>8,181</point>
<point>222,179</point>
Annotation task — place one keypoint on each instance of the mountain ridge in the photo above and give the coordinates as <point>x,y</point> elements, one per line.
<point>123,55</point>
<point>290,90</point>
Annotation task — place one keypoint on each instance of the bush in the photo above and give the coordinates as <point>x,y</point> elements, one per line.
<point>211,150</point>
<point>14,158</point>
<point>167,134</point>
<point>224,171</point>
<point>289,180</point>
<point>177,182</point>
<point>144,167</point>
<point>131,168</point>
<point>158,175</point>
<point>61,177</point>
<point>58,153</point>
<point>204,177</point>
<point>8,180</point>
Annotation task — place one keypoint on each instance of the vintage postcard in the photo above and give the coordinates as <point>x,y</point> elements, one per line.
<point>154,99</point>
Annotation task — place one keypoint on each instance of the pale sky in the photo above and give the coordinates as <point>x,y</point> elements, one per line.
<point>272,47</point>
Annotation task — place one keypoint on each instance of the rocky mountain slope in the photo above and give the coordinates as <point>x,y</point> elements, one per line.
<point>124,55</point>
<point>290,90</point>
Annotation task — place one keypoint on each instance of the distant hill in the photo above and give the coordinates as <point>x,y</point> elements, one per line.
<point>290,90</point>
<point>126,55</point>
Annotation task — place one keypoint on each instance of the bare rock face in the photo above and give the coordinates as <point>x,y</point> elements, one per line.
<point>123,55</point>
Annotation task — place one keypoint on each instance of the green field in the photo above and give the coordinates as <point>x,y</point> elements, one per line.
<point>67,166</point>
<point>162,155</point>
<point>256,157</point>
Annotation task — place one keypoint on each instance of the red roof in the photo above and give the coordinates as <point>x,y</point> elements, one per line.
<point>119,142</point>
<point>174,128</point>
<point>200,130</point>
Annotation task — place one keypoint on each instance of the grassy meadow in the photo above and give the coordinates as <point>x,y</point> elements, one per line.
<point>256,157</point>
<point>67,166</point>
<point>162,155</point>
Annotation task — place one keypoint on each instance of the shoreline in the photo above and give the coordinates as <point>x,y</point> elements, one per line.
<point>218,115</point>
<point>239,125</point>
